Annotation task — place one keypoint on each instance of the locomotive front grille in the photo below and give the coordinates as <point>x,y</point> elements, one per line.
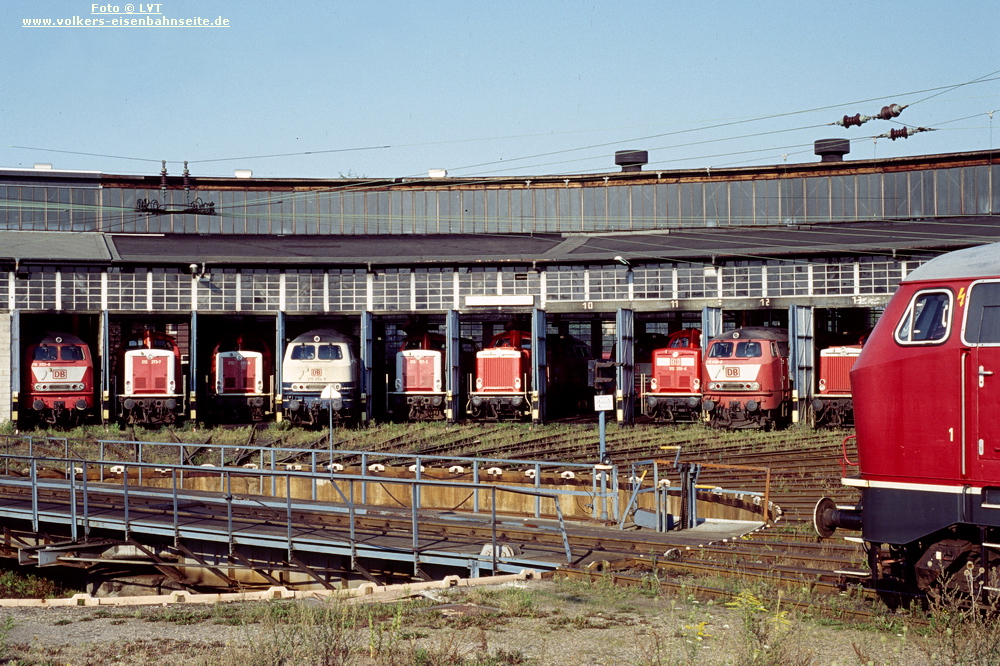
<point>499,373</point>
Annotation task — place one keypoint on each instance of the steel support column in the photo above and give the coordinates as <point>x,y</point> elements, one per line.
<point>279,356</point>
<point>539,365</point>
<point>801,356</point>
<point>711,325</point>
<point>105,349</point>
<point>453,370</point>
<point>367,375</point>
<point>193,369</point>
<point>625,368</point>
<point>15,363</point>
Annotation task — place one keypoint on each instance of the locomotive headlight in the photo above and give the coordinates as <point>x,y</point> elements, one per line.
<point>218,387</point>
<point>822,384</point>
<point>479,383</point>
<point>696,384</point>
<point>653,384</point>
<point>437,384</point>
<point>128,385</point>
<point>39,387</point>
<point>713,386</point>
<point>754,386</point>
<point>260,385</point>
<point>171,385</point>
<point>517,382</point>
<point>336,386</point>
<point>399,384</point>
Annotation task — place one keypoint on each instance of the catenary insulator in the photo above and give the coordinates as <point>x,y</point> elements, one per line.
<point>891,111</point>
<point>887,113</point>
<point>903,132</point>
<point>163,175</point>
<point>851,121</point>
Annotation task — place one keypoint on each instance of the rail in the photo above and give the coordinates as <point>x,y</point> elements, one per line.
<point>81,491</point>
<point>844,460</point>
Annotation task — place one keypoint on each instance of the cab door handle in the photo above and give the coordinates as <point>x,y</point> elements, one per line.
<point>982,374</point>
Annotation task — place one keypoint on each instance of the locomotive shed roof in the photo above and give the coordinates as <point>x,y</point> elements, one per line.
<point>971,263</point>
<point>695,244</point>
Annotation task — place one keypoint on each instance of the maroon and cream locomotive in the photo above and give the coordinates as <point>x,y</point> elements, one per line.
<point>927,418</point>
<point>59,382</point>
<point>746,382</point>
<point>675,378</point>
<point>151,382</point>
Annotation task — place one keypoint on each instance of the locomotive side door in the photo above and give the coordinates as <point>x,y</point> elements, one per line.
<point>982,334</point>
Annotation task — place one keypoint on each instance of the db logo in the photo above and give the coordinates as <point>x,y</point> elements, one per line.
<point>315,372</point>
<point>58,374</point>
<point>733,372</point>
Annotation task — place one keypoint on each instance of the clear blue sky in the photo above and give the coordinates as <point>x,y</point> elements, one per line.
<point>457,85</point>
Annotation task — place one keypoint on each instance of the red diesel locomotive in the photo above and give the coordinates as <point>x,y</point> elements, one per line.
<point>928,430</point>
<point>675,379</point>
<point>239,385</point>
<point>421,383</point>
<point>832,405</point>
<point>59,381</point>
<point>502,387</point>
<point>747,383</point>
<point>151,388</point>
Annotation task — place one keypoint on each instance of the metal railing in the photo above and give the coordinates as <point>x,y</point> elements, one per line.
<point>81,490</point>
<point>603,491</point>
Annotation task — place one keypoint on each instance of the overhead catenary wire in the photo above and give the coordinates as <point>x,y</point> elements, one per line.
<point>937,91</point>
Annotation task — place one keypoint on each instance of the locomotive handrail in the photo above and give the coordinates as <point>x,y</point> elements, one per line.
<point>844,460</point>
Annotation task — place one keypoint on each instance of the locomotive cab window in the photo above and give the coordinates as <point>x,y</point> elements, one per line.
<point>927,320</point>
<point>303,352</point>
<point>330,353</point>
<point>44,353</point>
<point>71,353</point>
<point>748,349</point>
<point>721,350</point>
<point>982,318</point>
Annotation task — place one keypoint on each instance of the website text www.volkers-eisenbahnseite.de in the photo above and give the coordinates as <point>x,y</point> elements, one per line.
<point>142,15</point>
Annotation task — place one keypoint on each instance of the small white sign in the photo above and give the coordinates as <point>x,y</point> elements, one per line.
<point>330,393</point>
<point>604,403</point>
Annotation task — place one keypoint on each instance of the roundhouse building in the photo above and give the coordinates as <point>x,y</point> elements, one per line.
<point>815,247</point>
